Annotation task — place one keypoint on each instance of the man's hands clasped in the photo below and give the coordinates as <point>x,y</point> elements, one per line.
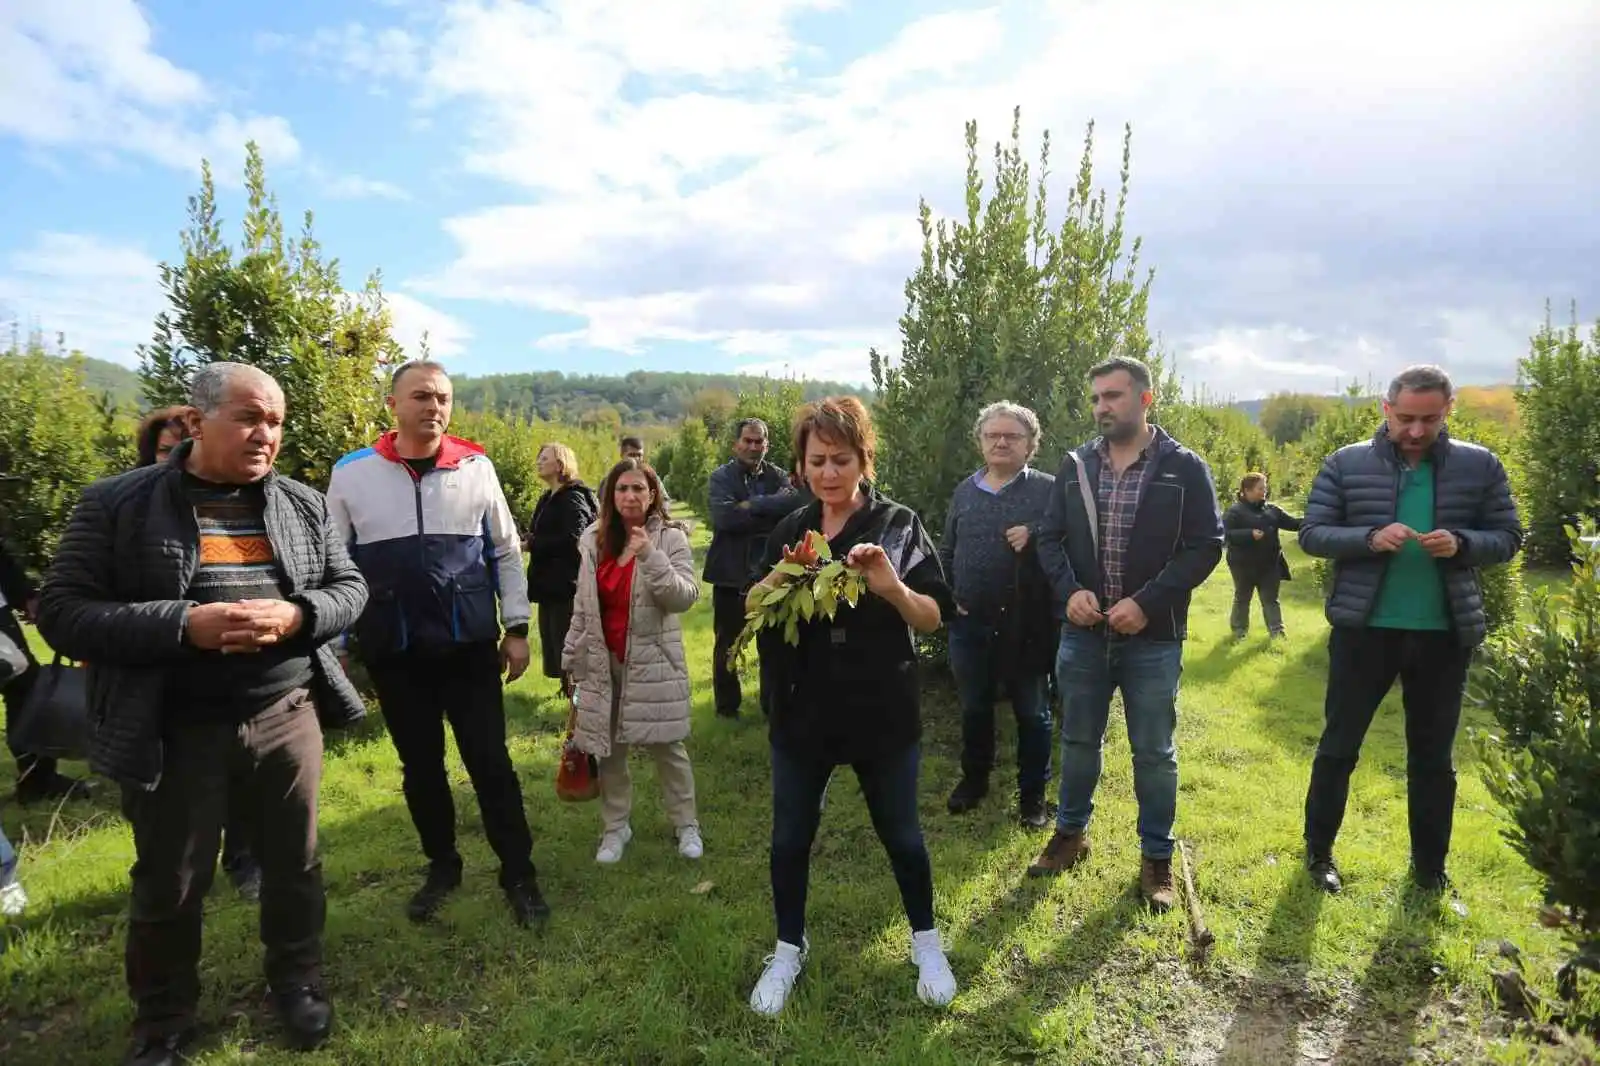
<point>243,628</point>
<point>1441,543</point>
<point>1125,617</point>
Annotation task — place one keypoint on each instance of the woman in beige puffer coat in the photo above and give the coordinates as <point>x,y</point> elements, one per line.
<point>624,653</point>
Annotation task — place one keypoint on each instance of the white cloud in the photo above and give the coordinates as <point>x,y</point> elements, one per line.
<point>410,319</point>
<point>356,187</point>
<point>85,76</point>
<point>682,163</point>
<point>103,295</point>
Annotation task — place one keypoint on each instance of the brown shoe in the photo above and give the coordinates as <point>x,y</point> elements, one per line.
<point>1064,851</point>
<point>1155,884</point>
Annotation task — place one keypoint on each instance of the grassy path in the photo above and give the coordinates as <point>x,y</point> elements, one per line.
<point>651,961</point>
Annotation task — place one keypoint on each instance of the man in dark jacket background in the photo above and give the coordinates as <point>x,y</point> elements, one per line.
<point>1131,531</point>
<point>1407,518</point>
<point>1004,630</point>
<point>203,593</point>
<point>749,497</point>
<point>38,779</point>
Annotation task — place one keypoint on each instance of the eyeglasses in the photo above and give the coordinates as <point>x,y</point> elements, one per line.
<point>1004,438</point>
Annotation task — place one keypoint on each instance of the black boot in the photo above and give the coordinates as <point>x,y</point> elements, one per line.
<point>969,792</point>
<point>307,1017</point>
<point>527,904</point>
<point>160,1050</point>
<point>1031,810</point>
<point>431,896</point>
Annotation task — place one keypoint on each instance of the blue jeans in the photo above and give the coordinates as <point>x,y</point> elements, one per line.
<point>973,659</point>
<point>889,785</point>
<point>1089,667</point>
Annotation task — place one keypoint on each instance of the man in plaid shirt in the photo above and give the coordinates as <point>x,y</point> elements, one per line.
<point>1131,530</point>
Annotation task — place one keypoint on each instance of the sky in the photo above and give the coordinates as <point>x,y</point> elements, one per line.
<point>1325,192</point>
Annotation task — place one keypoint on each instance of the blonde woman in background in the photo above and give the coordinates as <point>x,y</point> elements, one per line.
<point>565,509</point>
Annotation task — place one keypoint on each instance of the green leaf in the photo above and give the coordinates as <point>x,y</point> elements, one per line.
<point>792,569</point>
<point>819,544</point>
<point>777,595</point>
<point>805,604</point>
<point>791,630</point>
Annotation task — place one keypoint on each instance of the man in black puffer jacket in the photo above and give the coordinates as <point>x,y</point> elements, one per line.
<point>203,593</point>
<point>1407,518</point>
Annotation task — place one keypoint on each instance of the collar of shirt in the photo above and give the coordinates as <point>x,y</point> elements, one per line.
<point>982,481</point>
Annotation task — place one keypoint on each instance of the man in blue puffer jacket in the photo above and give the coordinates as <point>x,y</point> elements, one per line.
<point>1407,518</point>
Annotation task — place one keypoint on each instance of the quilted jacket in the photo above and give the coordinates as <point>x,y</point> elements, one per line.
<point>115,598</point>
<point>1357,491</point>
<point>655,683</point>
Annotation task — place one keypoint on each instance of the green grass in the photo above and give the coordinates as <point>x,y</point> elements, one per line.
<point>643,964</point>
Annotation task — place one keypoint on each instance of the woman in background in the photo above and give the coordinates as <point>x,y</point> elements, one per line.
<point>565,509</point>
<point>624,652</point>
<point>1255,558</point>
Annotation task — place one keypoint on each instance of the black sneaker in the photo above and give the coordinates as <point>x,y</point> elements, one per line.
<point>527,905</point>
<point>1031,811</point>
<point>969,792</point>
<point>1432,882</point>
<point>245,873</point>
<point>431,896</point>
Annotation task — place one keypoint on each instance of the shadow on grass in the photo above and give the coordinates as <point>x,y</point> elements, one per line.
<point>1265,1027</point>
<point>1395,987</point>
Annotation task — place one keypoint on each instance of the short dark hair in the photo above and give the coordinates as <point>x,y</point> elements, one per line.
<point>631,441</point>
<point>746,423</point>
<point>413,364</point>
<point>1137,369</point>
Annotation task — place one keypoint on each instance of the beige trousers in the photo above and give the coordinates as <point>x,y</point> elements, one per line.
<point>672,770</point>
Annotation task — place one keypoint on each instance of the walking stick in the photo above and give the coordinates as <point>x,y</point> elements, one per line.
<point>1198,933</point>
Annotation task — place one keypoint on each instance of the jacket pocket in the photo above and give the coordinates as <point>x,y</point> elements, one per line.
<point>382,628</point>
<point>474,613</point>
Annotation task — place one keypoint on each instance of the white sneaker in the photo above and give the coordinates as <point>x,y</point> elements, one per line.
<point>777,980</point>
<point>936,985</point>
<point>690,845</point>
<point>13,900</point>
<point>612,845</point>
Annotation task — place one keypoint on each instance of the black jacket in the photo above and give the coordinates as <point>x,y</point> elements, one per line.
<point>115,599</point>
<point>1357,492</point>
<point>850,690</point>
<point>1175,544</point>
<point>1247,556</point>
<point>559,519</point>
<point>739,534</point>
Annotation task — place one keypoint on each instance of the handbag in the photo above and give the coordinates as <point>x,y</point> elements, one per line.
<point>53,720</point>
<point>578,775</point>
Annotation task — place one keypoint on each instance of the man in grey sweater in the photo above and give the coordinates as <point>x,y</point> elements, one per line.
<point>1004,631</point>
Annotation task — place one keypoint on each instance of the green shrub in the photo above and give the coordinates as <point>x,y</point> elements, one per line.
<point>1541,682</point>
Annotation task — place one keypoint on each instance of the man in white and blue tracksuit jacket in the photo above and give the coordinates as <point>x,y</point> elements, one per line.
<point>428,524</point>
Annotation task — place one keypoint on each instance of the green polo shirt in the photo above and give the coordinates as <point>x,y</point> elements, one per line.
<point>1412,595</point>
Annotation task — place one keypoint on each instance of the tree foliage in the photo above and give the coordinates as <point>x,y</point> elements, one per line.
<point>56,437</point>
<point>775,402</point>
<point>276,304</point>
<point>513,444</point>
<point>1004,306</point>
<point>693,458</point>
<point>1559,400</point>
<point>1286,416</point>
<point>1541,682</point>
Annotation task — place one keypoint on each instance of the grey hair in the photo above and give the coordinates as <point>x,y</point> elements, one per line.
<point>1007,409</point>
<point>1423,377</point>
<point>212,384</point>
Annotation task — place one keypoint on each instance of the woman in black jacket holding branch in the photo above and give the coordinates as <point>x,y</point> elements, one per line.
<point>1255,557</point>
<point>563,512</point>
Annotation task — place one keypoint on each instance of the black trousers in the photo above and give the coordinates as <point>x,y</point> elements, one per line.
<point>272,765</point>
<point>727,620</point>
<point>555,618</point>
<point>462,685</point>
<point>1251,582</point>
<point>1363,665</point>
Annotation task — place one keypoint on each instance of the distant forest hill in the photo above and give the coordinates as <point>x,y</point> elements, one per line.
<point>641,398</point>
